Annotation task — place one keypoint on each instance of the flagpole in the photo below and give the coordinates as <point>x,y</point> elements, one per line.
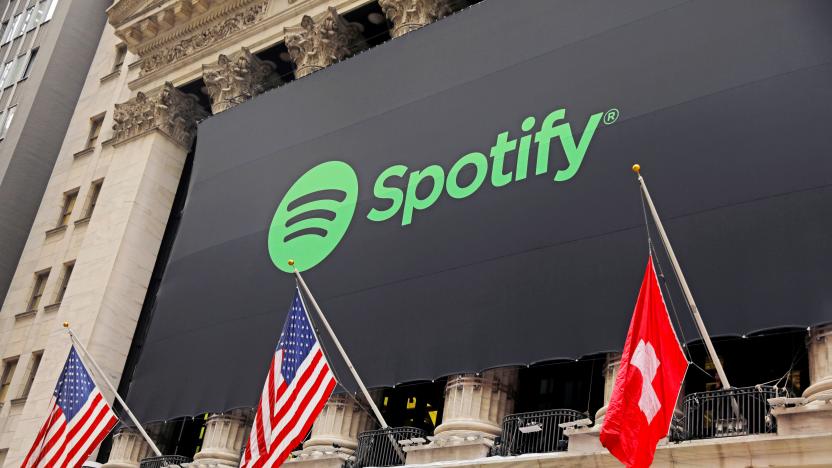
<point>340,348</point>
<point>688,295</point>
<point>98,369</point>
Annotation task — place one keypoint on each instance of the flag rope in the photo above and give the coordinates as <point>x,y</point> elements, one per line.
<point>654,254</point>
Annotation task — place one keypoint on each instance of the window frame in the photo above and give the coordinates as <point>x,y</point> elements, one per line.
<point>38,288</point>
<point>7,121</point>
<point>30,60</point>
<point>7,375</point>
<point>34,366</point>
<point>96,124</point>
<point>120,58</point>
<point>92,197</point>
<point>69,267</point>
<point>66,208</point>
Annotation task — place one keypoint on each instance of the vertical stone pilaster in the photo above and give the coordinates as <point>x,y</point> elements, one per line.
<point>473,414</point>
<point>610,373</point>
<point>129,448</point>
<point>237,78</point>
<point>820,362</point>
<point>410,15</point>
<point>318,43</point>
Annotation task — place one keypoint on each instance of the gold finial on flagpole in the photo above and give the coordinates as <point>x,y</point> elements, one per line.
<point>66,324</point>
<point>637,168</point>
<point>291,262</point>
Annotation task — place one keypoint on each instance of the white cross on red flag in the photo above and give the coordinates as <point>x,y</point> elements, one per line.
<point>648,382</point>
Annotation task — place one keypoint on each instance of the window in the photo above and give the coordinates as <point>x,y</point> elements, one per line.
<point>37,290</point>
<point>29,62</point>
<point>35,18</point>
<point>64,281</point>
<point>12,28</point>
<point>69,204</point>
<point>6,69</point>
<point>17,69</point>
<point>9,366</point>
<point>7,122</point>
<point>95,189</point>
<point>33,370</point>
<point>95,130</point>
<point>51,10</point>
<point>121,53</point>
<point>24,25</point>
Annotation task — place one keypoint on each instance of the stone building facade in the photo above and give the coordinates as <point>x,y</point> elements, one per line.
<point>185,60</point>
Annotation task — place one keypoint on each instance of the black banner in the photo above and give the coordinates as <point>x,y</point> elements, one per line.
<point>461,197</point>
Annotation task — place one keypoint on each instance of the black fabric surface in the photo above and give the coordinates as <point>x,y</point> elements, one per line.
<point>726,105</point>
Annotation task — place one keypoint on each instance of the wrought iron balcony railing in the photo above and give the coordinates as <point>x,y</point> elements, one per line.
<point>535,432</point>
<point>726,413</point>
<point>165,460</point>
<point>382,448</point>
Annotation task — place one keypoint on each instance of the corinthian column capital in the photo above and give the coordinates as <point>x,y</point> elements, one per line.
<point>169,110</point>
<point>237,78</point>
<point>318,43</point>
<point>409,15</point>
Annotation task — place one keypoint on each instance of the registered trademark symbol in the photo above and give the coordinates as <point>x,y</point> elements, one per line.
<point>610,116</point>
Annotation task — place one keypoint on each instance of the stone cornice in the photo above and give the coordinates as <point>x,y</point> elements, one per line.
<point>169,111</point>
<point>204,33</point>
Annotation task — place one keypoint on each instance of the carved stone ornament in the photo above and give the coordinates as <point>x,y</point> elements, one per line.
<point>236,79</point>
<point>203,38</point>
<point>318,44</point>
<point>410,15</point>
<point>170,111</point>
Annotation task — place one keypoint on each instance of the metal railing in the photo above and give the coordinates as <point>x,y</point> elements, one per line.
<point>381,447</point>
<point>165,460</point>
<point>726,413</point>
<point>535,432</point>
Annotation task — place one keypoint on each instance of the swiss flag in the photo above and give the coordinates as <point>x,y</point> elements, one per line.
<point>648,382</point>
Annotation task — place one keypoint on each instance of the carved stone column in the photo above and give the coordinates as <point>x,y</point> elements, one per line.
<point>169,111</point>
<point>410,15</point>
<point>473,414</point>
<point>318,43</point>
<point>237,78</point>
<point>334,436</point>
<point>129,448</point>
<point>225,435</point>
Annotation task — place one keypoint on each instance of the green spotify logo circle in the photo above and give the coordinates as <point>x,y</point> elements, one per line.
<point>313,216</point>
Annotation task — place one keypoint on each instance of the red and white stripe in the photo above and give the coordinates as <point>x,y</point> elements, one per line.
<point>286,412</point>
<point>67,444</point>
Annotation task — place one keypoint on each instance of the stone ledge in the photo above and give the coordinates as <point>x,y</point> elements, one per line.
<point>110,75</point>
<point>18,401</point>
<point>83,152</point>
<point>23,315</point>
<point>52,307</point>
<point>55,230</point>
<point>84,220</point>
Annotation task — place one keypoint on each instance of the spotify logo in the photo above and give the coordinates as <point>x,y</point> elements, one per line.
<point>313,216</point>
<point>315,213</point>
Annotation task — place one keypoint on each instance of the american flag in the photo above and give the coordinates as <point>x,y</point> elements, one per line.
<point>78,421</point>
<point>297,387</point>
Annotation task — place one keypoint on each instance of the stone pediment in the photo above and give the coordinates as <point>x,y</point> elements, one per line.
<point>161,32</point>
